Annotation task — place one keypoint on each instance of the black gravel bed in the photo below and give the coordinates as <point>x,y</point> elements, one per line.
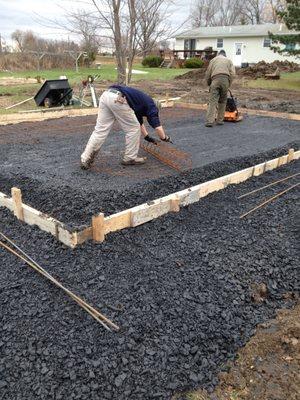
<point>42,158</point>
<point>75,205</point>
<point>183,288</point>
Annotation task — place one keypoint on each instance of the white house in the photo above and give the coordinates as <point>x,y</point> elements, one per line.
<point>242,43</point>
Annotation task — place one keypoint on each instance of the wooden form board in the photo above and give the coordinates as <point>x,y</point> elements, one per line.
<point>146,212</point>
<point>172,102</point>
<point>43,221</point>
<point>264,113</point>
<point>141,214</point>
<point>16,118</point>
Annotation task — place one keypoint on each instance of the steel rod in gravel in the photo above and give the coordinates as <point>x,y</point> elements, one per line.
<point>91,310</point>
<point>41,272</point>
<point>266,186</point>
<point>269,200</point>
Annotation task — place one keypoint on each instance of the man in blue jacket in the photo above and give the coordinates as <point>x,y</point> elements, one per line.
<point>127,106</point>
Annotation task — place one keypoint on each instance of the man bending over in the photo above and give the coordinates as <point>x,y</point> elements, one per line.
<point>127,106</point>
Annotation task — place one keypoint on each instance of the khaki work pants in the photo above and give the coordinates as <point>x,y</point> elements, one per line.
<point>113,108</point>
<point>218,99</point>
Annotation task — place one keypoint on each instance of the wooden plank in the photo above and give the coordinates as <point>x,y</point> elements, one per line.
<point>66,237</point>
<point>189,196</point>
<point>264,113</point>
<point>48,224</point>
<point>41,116</point>
<point>118,221</point>
<point>98,228</point>
<point>212,186</point>
<point>192,106</point>
<point>6,202</point>
<point>16,196</point>
<point>272,164</point>
<point>282,160</point>
<point>240,176</point>
<point>259,169</point>
<point>149,211</point>
<point>290,155</point>
<point>146,212</point>
<point>83,236</point>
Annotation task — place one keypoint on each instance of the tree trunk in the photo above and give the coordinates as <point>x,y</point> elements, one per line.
<point>132,37</point>
<point>120,53</point>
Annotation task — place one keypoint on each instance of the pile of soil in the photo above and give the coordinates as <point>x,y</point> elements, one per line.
<point>180,288</point>
<point>193,75</point>
<point>260,69</point>
<point>258,371</point>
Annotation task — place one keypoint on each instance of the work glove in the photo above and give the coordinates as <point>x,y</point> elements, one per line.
<point>167,139</point>
<point>150,139</point>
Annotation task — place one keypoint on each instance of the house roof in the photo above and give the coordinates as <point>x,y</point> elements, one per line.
<point>235,31</point>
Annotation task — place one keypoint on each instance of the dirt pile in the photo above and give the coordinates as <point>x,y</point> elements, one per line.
<point>257,373</point>
<point>260,69</point>
<point>193,75</point>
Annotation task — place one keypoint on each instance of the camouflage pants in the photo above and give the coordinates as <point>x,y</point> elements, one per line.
<point>218,98</point>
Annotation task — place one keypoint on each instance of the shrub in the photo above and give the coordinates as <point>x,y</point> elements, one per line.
<point>194,63</point>
<point>152,61</point>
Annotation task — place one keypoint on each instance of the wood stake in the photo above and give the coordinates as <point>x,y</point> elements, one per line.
<point>269,200</point>
<point>18,104</point>
<point>98,228</point>
<point>16,195</point>
<point>290,155</point>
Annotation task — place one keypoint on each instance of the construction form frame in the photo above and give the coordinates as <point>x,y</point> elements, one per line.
<point>138,215</point>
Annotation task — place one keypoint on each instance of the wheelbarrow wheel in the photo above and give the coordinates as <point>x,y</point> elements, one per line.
<point>47,102</point>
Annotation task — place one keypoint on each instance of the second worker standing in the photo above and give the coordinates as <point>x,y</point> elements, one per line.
<point>219,76</point>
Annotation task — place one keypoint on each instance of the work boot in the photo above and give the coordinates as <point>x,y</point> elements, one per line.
<point>88,163</point>
<point>209,124</point>
<point>135,161</point>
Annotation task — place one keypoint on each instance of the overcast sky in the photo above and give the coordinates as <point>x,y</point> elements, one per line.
<point>23,15</point>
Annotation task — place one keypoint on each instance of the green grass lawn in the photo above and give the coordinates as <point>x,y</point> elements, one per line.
<point>288,81</point>
<point>17,93</point>
<point>107,72</point>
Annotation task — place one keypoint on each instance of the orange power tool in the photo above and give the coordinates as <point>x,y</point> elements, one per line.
<point>231,112</point>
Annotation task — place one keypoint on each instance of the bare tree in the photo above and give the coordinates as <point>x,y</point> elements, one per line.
<point>272,6</point>
<point>153,18</point>
<point>18,37</point>
<point>216,12</point>
<point>133,26</point>
<point>229,12</point>
<point>203,13</point>
<point>85,26</point>
<point>253,11</point>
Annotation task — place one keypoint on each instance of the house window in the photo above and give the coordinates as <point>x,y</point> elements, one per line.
<point>290,46</point>
<point>189,44</point>
<point>219,43</point>
<point>267,42</point>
